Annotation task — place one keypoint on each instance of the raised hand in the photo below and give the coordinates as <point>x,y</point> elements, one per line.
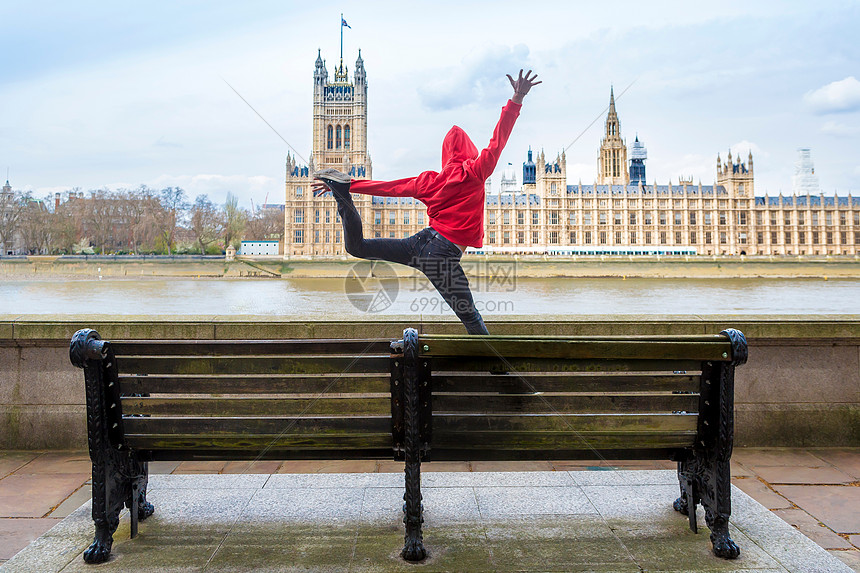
<point>522,85</point>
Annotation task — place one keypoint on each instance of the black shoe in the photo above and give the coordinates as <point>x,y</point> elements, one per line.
<point>335,180</point>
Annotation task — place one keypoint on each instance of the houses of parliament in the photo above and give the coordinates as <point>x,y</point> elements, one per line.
<point>620,214</point>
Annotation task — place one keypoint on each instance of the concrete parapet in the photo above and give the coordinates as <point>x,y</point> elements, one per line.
<point>800,387</point>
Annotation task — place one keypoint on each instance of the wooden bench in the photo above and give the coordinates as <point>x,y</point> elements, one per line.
<point>422,397</point>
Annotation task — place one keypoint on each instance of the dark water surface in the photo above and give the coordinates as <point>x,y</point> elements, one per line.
<point>335,298</point>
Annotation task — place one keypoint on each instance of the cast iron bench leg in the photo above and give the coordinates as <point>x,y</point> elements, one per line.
<point>413,549</point>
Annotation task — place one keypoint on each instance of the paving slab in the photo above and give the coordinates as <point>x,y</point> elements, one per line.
<point>485,524</point>
<point>835,506</point>
<point>847,460</point>
<point>16,534</point>
<point>775,457</point>
<point>802,475</point>
<point>850,558</point>
<point>11,461</point>
<point>813,529</point>
<point>58,463</point>
<point>762,493</point>
<point>36,495</point>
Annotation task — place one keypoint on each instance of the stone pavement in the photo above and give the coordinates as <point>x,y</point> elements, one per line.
<point>615,521</point>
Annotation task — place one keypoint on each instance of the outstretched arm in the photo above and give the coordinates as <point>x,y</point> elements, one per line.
<point>486,162</point>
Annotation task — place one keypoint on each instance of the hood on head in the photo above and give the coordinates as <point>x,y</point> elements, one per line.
<point>457,147</point>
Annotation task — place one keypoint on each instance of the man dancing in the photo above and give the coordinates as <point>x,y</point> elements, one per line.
<point>454,198</point>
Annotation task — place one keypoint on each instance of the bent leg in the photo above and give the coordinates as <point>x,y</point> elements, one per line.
<point>392,250</point>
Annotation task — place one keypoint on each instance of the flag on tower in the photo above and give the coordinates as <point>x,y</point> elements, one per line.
<point>343,23</point>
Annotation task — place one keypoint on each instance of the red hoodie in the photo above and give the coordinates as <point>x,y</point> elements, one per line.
<point>454,196</point>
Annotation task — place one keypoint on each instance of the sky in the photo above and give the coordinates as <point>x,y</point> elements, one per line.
<point>118,94</point>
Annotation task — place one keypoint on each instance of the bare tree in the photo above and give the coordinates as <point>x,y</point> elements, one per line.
<point>34,225</point>
<point>206,222</point>
<point>98,214</point>
<point>235,220</point>
<point>265,224</point>
<point>172,205</point>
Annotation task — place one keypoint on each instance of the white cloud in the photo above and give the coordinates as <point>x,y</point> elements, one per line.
<point>217,186</point>
<point>480,78</point>
<point>839,96</point>
<point>838,129</point>
<point>742,148</point>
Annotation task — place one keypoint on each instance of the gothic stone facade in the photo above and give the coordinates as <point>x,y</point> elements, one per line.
<point>548,216</point>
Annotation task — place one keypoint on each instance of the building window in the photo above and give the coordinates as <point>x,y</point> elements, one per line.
<point>330,138</point>
<point>552,189</point>
<point>337,236</point>
<point>406,217</point>
<point>707,218</point>
<point>633,237</point>
<point>678,219</point>
<point>787,218</point>
<point>491,218</point>
<point>742,218</point>
<point>377,234</point>
<point>662,237</point>
<point>857,237</point>
<point>829,237</point>
<point>801,237</point>
<point>708,238</point>
<point>535,237</point>
<point>602,237</point>
<point>492,237</point>
<point>572,218</point>
<point>298,192</point>
<point>586,218</point>
<point>601,218</point>
<point>506,237</point>
<point>392,217</point>
<point>692,237</point>
<point>617,237</point>
<point>316,215</point>
<point>521,237</point>
<point>327,236</point>
<point>648,237</point>
<point>405,234</point>
<point>742,238</point>
<point>843,217</point>
<point>316,236</point>
<point>801,220</point>
<point>298,236</point>
<point>773,239</point>
<point>588,237</point>
<point>759,238</point>
<point>632,218</point>
<point>692,218</point>
<point>758,218</point>
<point>327,216</point>
<point>521,218</point>
<point>788,237</point>
<point>553,237</point>
<point>420,217</point>
<point>346,136</point>
<point>662,217</point>
<point>506,218</point>
<point>857,219</point>
<point>678,238</point>
<point>553,217</point>
<point>815,219</point>
<point>299,216</point>
<point>828,218</point>
<point>648,219</point>
<point>377,217</point>
<point>390,234</point>
<point>722,218</point>
<point>573,237</point>
<point>722,238</point>
<point>816,239</point>
<point>535,218</point>
<point>740,188</point>
<point>337,137</point>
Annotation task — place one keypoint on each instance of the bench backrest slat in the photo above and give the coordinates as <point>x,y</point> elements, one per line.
<point>564,382</point>
<point>336,383</point>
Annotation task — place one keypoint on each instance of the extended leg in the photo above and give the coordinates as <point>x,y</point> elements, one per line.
<point>446,274</point>
<point>393,250</point>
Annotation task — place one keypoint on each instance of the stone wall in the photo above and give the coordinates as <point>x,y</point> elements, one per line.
<point>801,386</point>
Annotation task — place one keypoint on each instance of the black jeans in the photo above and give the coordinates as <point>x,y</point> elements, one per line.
<point>427,250</point>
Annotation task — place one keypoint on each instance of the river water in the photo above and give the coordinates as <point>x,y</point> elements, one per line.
<point>338,298</point>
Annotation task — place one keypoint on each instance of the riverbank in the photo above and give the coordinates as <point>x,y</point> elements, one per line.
<point>40,268</point>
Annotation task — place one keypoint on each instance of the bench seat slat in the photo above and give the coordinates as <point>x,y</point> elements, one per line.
<point>245,347</point>
<point>257,384</point>
<point>310,364</point>
<point>562,382</point>
<point>579,349</point>
<point>259,442</point>
<point>314,406</point>
<point>524,365</point>
<point>601,423</point>
<point>561,440</point>
<point>269,426</point>
<point>551,404</point>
